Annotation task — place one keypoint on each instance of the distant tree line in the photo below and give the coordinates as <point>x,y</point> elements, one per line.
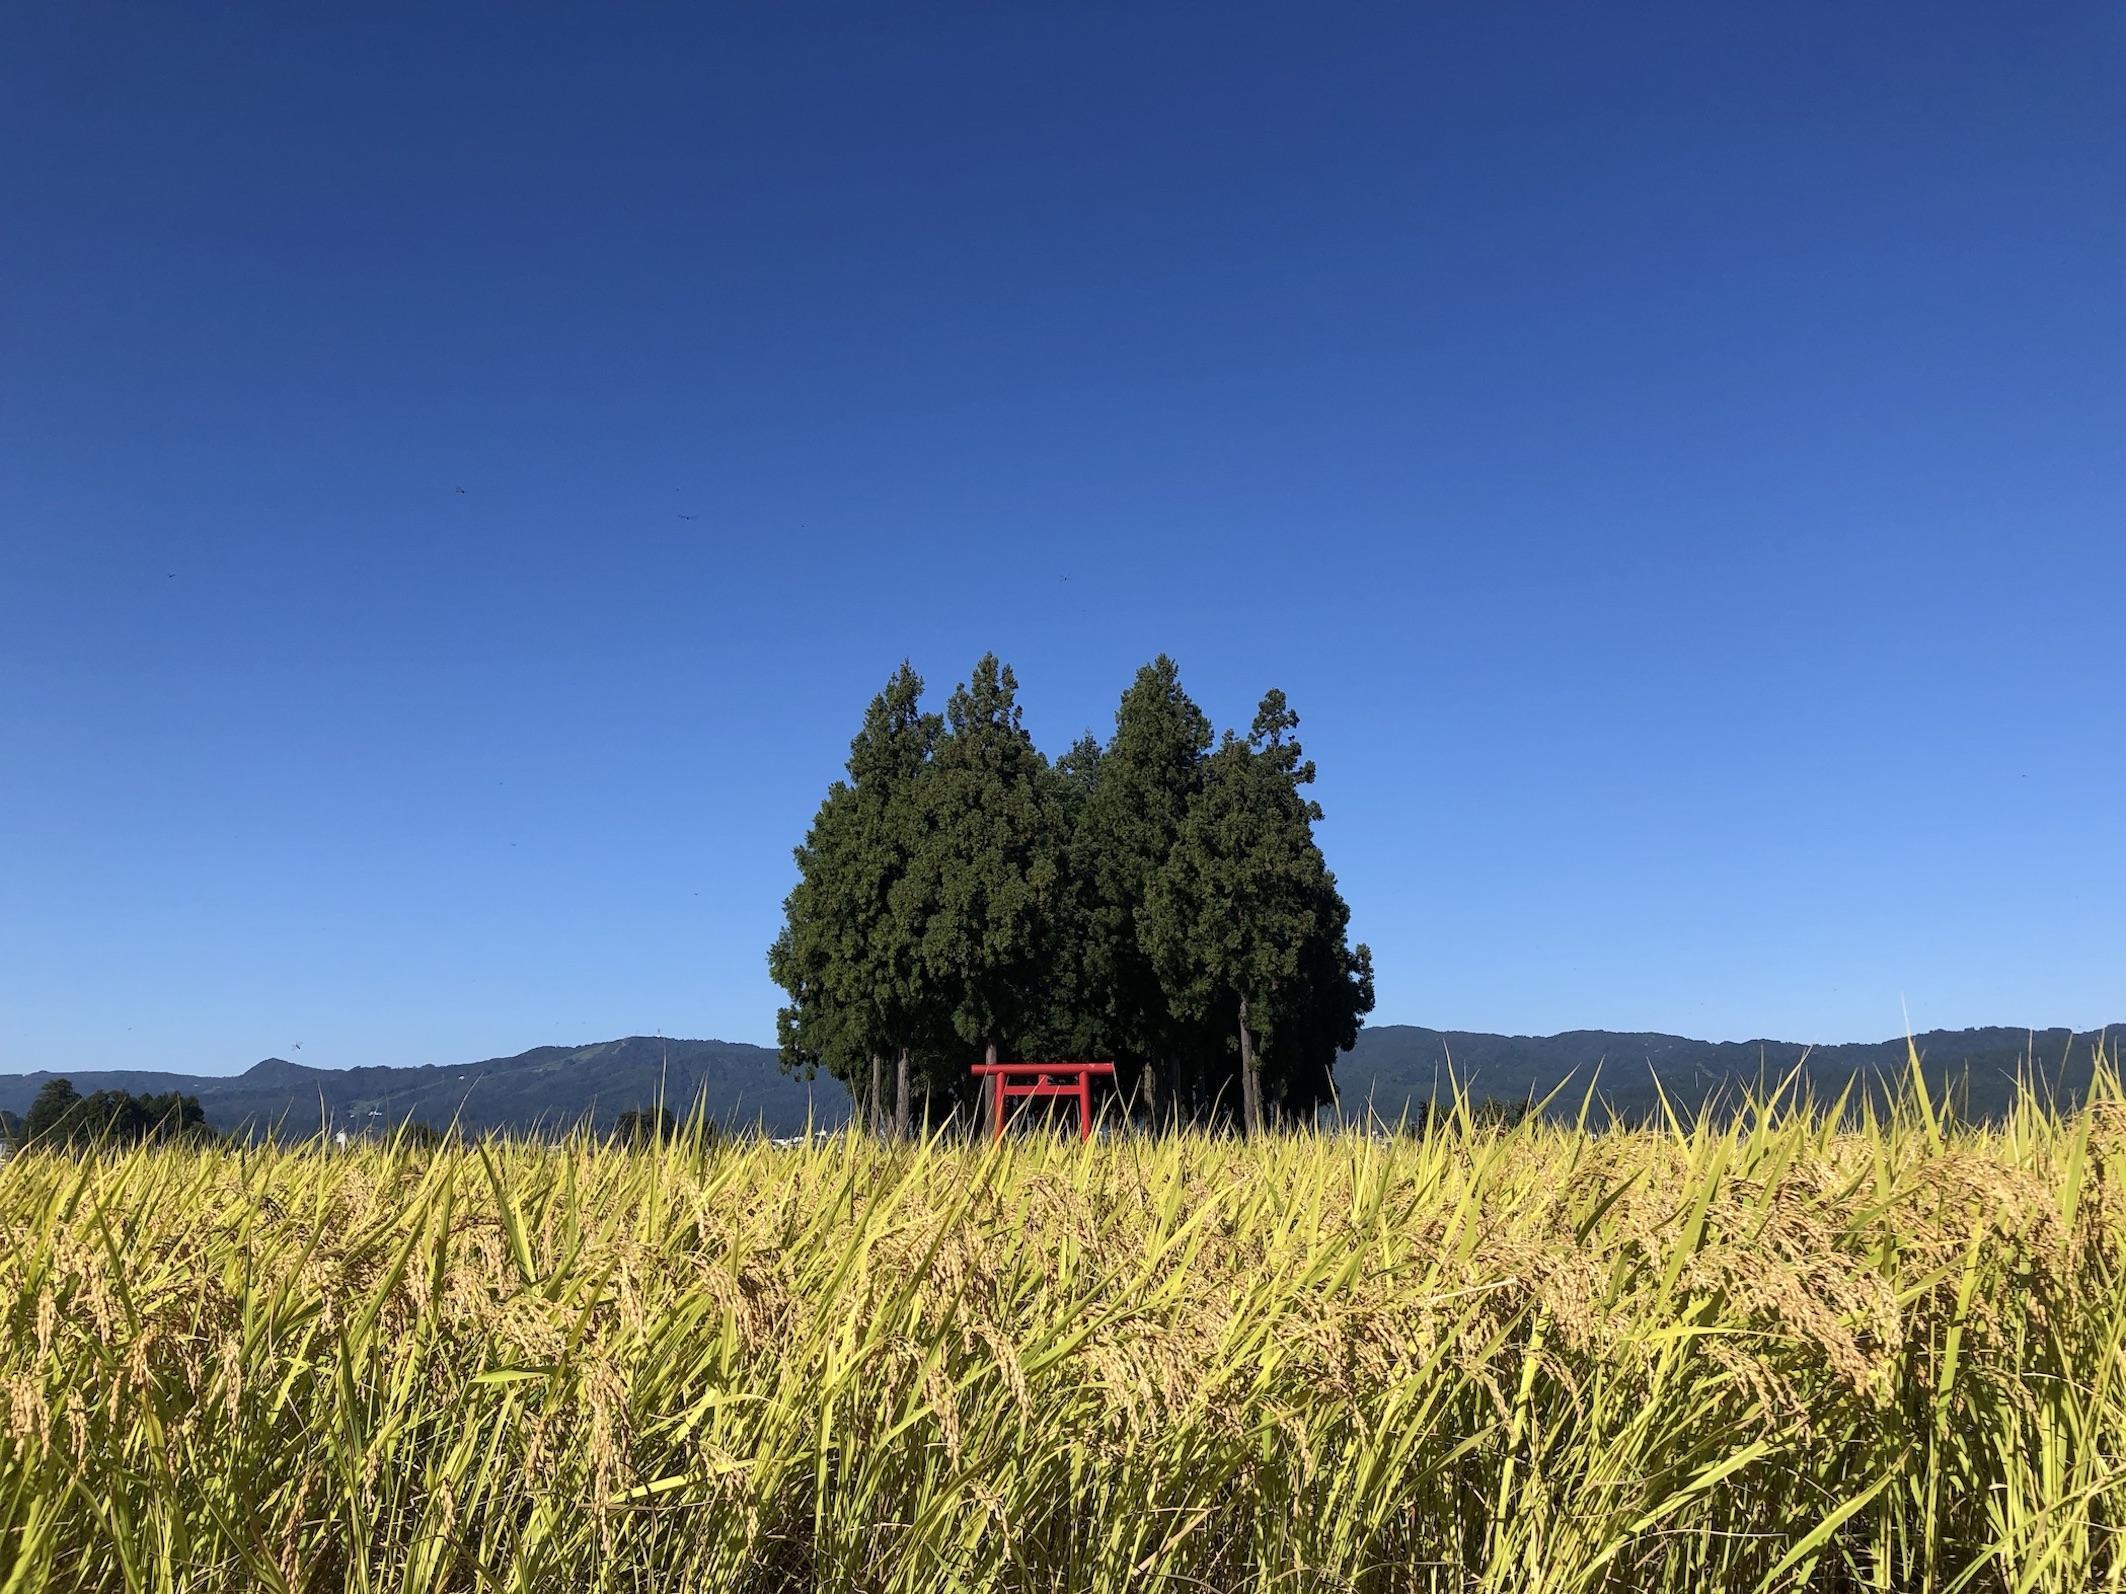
<point>645,1126</point>
<point>60,1116</point>
<point>1159,900</point>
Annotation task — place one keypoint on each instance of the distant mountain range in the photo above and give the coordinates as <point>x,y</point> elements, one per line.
<point>1394,1068</point>
<point>1399,1066</point>
<point>545,1089</point>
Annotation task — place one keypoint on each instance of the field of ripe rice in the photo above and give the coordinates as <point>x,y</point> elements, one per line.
<point>1767,1353</point>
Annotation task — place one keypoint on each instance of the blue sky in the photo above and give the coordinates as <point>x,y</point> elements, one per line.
<point>462,472</point>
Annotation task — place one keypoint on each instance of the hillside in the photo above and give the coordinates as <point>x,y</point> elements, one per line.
<point>549,1087</point>
<point>1400,1065</point>
<point>1394,1068</point>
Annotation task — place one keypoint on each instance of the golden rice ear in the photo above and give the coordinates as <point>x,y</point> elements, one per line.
<point>1784,1346</point>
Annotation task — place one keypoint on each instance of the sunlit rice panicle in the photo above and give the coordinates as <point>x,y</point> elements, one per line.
<point>1779,1348</point>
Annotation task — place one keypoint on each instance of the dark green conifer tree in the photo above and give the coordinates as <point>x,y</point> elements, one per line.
<point>54,1112</point>
<point>1245,926</point>
<point>1319,1015</point>
<point>61,1116</point>
<point>988,876</point>
<point>1127,828</point>
<point>849,949</point>
<point>1069,1021</point>
<point>960,898</point>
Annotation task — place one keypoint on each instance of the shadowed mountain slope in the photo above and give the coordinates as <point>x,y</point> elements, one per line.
<point>547,1088</point>
<point>1394,1069</point>
<point>1401,1065</point>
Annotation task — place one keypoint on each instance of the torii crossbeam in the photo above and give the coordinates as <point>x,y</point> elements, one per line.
<point>1008,1080</point>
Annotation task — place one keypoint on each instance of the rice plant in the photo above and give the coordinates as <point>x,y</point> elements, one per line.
<point>1797,1346</point>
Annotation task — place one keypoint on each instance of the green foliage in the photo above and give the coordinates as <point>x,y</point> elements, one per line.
<point>55,1111</point>
<point>988,869</point>
<point>849,952</point>
<point>1066,1020</point>
<point>1246,927</point>
<point>645,1126</point>
<point>62,1117</point>
<point>1150,774</point>
<point>960,896</point>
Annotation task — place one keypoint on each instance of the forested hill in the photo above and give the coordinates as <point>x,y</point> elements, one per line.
<point>547,1088</point>
<point>1399,1065</point>
<point>1395,1067</point>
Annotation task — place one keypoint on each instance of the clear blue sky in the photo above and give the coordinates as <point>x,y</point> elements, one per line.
<point>1675,460</point>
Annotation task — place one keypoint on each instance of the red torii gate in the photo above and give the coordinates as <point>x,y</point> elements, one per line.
<point>1041,1079</point>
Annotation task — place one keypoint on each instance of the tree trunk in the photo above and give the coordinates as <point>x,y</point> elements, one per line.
<point>989,1088</point>
<point>1250,1079</point>
<point>875,1109</point>
<point>1148,1085</point>
<point>900,1095</point>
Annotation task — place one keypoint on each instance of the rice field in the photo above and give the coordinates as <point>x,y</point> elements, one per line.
<point>1785,1349</point>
